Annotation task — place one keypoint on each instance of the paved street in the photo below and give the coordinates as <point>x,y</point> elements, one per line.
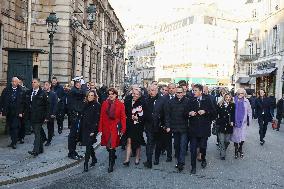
<point>262,167</point>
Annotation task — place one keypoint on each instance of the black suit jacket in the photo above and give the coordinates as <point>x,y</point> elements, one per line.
<point>200,125</point>
<point>6,99</point>
<point>39,107</point>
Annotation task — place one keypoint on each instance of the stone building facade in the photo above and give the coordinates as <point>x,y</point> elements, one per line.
<point>77,51</point>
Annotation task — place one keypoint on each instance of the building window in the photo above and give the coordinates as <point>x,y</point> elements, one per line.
<point>208,20</point>
<point>85,13</point>
<point>91,65</point>
<point>98,64</point>
<point>20,10</point>
<point>73,67</point>
<point>83,60</point>
<point>254,14</point>
<point>275,40</point>
<point>1,46</point>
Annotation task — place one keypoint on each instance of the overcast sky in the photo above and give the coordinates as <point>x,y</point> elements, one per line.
<point>132,12</point>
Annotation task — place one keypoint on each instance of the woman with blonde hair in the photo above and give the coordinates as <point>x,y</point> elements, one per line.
<point>243,117</point>
<point>225,121</point>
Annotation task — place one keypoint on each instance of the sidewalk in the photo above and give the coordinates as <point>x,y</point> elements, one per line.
<point>17,165</point>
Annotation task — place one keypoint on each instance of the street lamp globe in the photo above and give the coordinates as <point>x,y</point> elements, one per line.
<point>91,11</point>
<point>52,22</point>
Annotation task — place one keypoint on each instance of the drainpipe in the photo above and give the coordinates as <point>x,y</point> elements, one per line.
<point>102,48</point>
<point>29,21</point>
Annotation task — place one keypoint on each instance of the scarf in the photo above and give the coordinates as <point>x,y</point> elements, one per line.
<point>111,109</point>
<point>240,112</point>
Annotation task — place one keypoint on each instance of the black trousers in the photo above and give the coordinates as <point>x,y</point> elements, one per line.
<point>90,152</point>
<point>164,142</point>
<point>60,119</point>
<point>279,122</point>
<point>72,137</point>
<point>262,127</point>
<point>38,142</point>
<point>196,142</point>
<point>152,140</point>
<point>50,129</point>
<point>13,123</point>
<point>22,129</point>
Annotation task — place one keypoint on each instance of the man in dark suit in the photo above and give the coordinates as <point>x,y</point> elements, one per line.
<point>75,106</point>
<point>52,97</point>
<point>38,105</point>
<point>153,111</point>
<point>58,89</point>
<point>280,111</point>
<point>201,114</point>
<point>12,108</point>
<point>263,114</point>
<point>25,126</point>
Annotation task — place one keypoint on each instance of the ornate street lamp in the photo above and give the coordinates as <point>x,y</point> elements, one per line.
<point>52,23</point>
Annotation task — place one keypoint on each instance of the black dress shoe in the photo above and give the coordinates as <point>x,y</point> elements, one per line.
<point>147,164</point>
<point>47,144</point>
<point>193,171</point>
<point>156,162</point>
<point>21,141</point>
<point>33,153</point>
<point>223,158</point>
<point>277,129</point>
<point>180,167</point>
<point>203,164</point>
<point>60,132</point>
<point>169,159</point>
<point>262,142</point>
<point>94,161</point>
<point>10,145</point>
<point>126,163</point>
<point>74,157</point>
<point>14,146</point>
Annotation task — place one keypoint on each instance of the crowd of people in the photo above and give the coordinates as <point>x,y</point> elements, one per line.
<point>174,118</point>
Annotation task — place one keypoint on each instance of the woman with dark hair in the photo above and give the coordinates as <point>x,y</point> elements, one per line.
<point>112,124</point>
<point>89,124</point>
<point>243,117</point>
<point>225,121</point>
<point>135,125</point>
<point>263,114</point>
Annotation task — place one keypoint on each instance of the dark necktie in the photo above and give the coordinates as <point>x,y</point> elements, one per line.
<point>33,94</point>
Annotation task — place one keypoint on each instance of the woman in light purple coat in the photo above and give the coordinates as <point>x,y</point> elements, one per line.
<point>243,118</point>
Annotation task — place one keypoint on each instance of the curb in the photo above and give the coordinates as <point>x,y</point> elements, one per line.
<point>43,174</point>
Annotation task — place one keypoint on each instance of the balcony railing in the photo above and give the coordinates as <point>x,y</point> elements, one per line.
<point>249,57</point>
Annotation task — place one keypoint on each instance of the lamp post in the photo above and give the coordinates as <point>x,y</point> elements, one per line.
<point>52,23</point>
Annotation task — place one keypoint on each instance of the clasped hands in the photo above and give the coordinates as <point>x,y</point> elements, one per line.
<point>193,113</point>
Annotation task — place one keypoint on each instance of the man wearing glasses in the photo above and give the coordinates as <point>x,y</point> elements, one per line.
<point>201,114</point>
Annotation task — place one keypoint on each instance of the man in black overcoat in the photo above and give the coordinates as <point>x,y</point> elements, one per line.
<point>12,108</point>
<point>201,114</point>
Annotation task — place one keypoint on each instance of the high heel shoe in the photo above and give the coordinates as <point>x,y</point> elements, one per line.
<point>126,163</point>
<point>137,163</point>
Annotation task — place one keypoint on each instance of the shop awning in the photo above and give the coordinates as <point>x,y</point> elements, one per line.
<point>265,72</point>
<point>243,80</point>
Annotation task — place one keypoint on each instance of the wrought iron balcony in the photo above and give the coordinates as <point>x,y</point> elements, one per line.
<point>248,58</point>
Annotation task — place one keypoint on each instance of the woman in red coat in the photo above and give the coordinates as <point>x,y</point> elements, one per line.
<point>112,124</point>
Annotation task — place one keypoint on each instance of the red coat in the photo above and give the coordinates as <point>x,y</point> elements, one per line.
<point>108,127</point>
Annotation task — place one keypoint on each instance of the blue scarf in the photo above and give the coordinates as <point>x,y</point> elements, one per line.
<point>240,112</point>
